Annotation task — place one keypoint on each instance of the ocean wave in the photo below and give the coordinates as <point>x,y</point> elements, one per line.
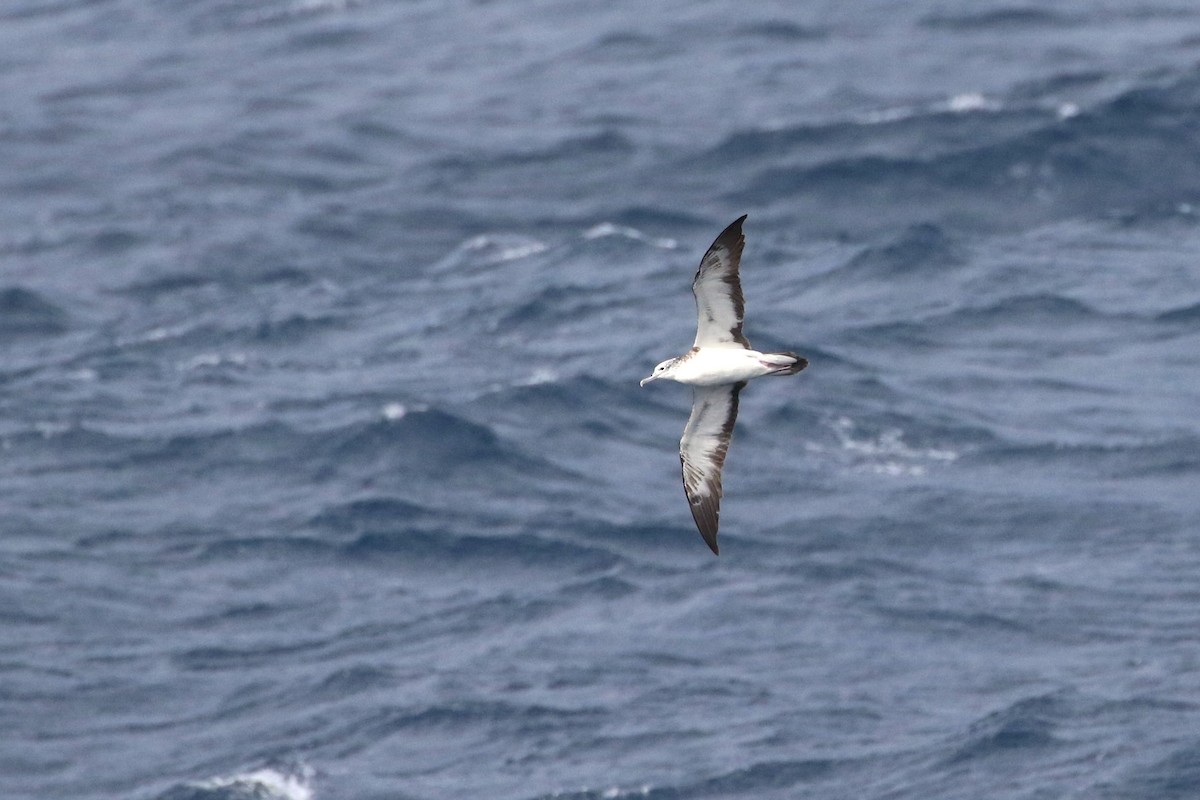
<point>229,547</point>
<point>1023,315</point>
<point>85,445</point>
<point>1030,723</point>
<point>920,249</point>
<point>1015,166</point>
<point>622,46</point>
<point>1173,777</point>
<point>385,529</point>
<point>24,312</point>
<point>473,717</point>
<point>605,229</point>
<point>432,441</point>
<point>463,550</point>
<point>1117,456</point>
<point>354,679</point>
<point>606,146</point>
<point>232,658</point>
<point>596,405</point>
<point>198,342</point>
<point>1184,314</point>
<point>883,446</point>
<point>207,273</point>
<point>368,512</point>
<point>638,540</point>
<point>481,253</point>
<point>990,19</point>
<point>880,137</point>
<point>781,30</point>
<point>765,778</point>
<point>1031,308</point>
<point>556,304</point>
<point>113,240</point>
<point>266,783</point>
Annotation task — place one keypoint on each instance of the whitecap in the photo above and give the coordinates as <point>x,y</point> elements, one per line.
<point>49,430</point>
<point>210,360</point>
<point>964,103</point>
<point>885,115</point>
<point>153,335</point>
<point>267,784</point>
<point>971,101</point>
<point>884,453</point>
<point>605,229</point>
<point>538,377</point>
<point>1068,110</point>
<point>505,248</point>
<point>487,250</point>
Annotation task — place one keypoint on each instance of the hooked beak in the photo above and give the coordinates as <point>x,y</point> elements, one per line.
<point>648,379</point>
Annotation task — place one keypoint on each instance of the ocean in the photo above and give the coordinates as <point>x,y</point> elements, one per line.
<point>324,469</point>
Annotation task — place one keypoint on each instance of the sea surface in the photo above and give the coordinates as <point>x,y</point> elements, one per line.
<point>324,469</point>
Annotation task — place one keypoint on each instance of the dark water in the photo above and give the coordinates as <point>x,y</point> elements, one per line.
<point>324,470</point>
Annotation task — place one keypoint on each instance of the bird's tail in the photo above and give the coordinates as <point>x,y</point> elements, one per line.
<point>788,363</point>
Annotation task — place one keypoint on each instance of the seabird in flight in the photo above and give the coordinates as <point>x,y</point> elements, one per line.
<point>717,367</point>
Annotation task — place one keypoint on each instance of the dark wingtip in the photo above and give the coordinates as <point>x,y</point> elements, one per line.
<point>733,229</point>
<point>707,512</point>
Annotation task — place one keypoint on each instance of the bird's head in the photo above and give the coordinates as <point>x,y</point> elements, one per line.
<point>661,371</point>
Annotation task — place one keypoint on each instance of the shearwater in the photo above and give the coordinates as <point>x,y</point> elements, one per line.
<point>717,367</point>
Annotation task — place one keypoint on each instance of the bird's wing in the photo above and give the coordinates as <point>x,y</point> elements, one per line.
<point>718,290</point>
<point>702,453</point>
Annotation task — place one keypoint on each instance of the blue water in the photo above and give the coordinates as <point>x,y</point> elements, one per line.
<point>324,469</point>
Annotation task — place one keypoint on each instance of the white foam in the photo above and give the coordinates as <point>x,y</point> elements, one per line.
<point>49,430</point>
<point>538,377</point>
<point>887,115</point>
<point>487,250</point>
<point>971,101</point>
<point>394,411</point>
<point>617,792</point>
<point>889,442</point>
<point>208,360</point>
<point>267,783</point>
<point>505,248</point>
<point>153,335</point>
<point>965,103</point>
<point>605,229</point>
<point>611,793</point>
<point>885,453</point>
<point>1068,110</point>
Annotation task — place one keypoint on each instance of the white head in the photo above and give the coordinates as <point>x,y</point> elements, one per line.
<point>663,370</point>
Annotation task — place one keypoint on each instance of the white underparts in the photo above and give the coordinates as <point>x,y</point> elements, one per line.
<point>715,366</point>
